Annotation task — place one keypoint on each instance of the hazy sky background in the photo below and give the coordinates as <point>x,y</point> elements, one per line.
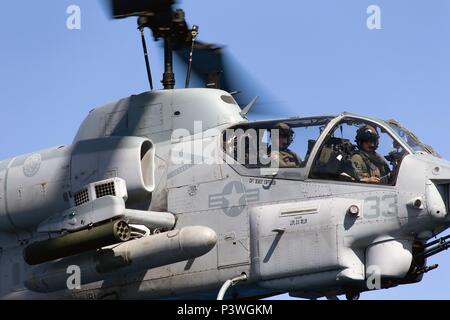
<point>317,56</point>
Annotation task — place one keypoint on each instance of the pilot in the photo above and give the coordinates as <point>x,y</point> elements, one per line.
<point>366,165</point>
<point>285,157</point>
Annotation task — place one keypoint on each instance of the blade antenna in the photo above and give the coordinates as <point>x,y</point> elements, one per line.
<point>147,63</point>
<point>194,33</point>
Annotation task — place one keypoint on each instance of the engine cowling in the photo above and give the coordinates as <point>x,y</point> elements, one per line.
<point>35,186</point>
<point>129,158</point>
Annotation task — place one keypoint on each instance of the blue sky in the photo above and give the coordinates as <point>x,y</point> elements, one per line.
<point>317,56</point>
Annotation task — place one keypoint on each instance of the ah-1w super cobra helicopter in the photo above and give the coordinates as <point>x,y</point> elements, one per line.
<point>119,207</point>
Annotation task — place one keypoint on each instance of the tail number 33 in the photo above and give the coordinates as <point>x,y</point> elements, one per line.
<point>381,207</point>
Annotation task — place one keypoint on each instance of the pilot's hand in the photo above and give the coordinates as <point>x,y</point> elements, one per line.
<point>371,180</point>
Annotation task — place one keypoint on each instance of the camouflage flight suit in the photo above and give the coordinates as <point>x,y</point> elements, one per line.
<point>365,165</point>
<point>286,159</point>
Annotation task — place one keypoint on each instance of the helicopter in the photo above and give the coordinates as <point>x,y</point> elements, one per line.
<point>157,197</point>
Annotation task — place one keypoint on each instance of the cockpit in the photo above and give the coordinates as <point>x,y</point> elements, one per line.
<point>346,148</point>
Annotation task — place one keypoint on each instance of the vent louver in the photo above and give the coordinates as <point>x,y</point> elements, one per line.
<point>105,189</point>
<point>81,197</point>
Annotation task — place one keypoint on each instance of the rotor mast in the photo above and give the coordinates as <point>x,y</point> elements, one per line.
<point>166,23</point>
<point>171,26</point>
<point>168,80</point>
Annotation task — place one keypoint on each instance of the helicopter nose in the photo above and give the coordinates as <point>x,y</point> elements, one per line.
<point>437,199</point>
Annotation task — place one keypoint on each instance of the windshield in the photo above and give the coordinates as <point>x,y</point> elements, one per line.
<point>252,144</point>
<point>411,139</point>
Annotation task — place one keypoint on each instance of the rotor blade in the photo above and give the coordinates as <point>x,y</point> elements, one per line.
<point>128,8</point>
<point>213,67</point>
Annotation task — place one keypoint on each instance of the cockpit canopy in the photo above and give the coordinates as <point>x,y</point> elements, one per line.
<point>323,147</point>
<point>411,139</point>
